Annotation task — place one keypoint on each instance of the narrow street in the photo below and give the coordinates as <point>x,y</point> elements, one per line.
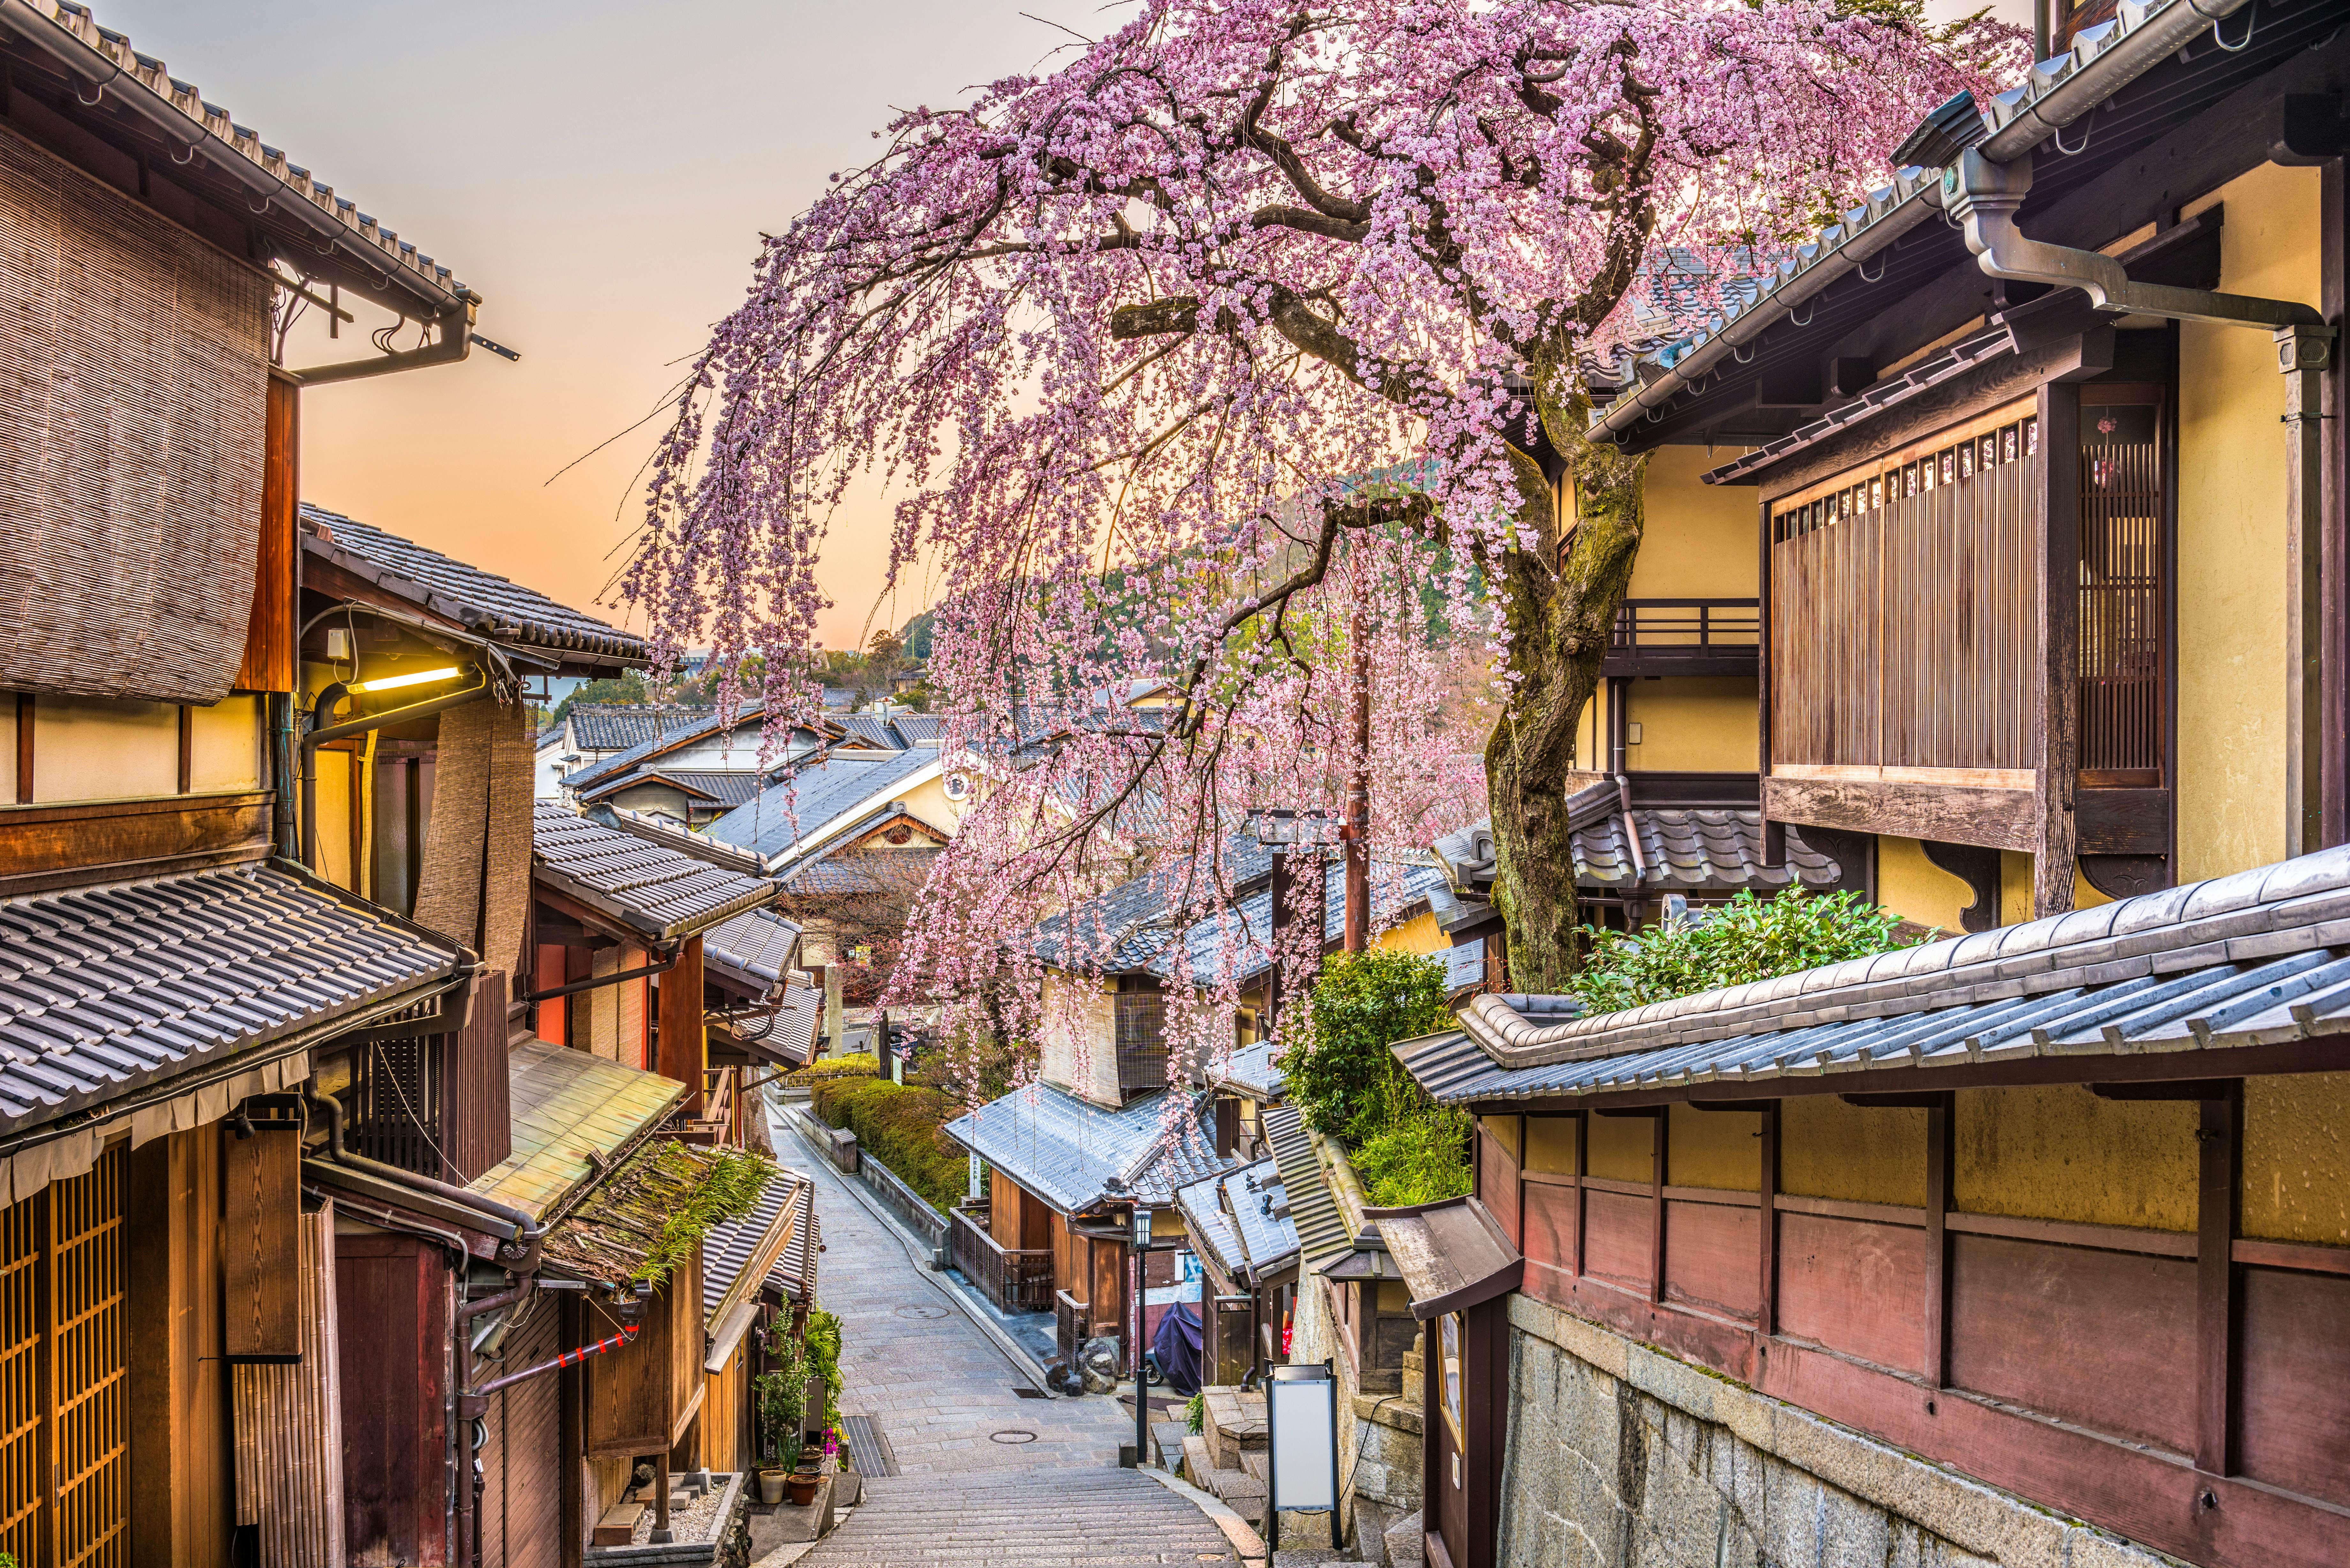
<point>985,1472</point>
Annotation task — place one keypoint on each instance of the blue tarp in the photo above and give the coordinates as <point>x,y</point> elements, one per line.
<point>1176,1347</point>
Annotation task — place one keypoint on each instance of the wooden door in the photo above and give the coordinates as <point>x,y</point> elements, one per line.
<point>1447,1481</point>
<point>65,1446</point>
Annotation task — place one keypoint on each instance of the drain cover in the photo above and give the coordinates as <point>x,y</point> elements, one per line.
<point>1014,1435</point>
<point>922,1313</point>
<point>1030,1394</point>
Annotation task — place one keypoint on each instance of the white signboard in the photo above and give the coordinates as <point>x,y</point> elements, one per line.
<point>1465,965</point>
<point>1302,1416</point>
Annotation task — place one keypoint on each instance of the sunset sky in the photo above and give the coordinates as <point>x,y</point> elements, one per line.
<point>600,173</point>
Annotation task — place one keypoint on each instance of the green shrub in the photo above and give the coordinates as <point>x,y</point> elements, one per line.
<point>826,1069</point>
<point>897,1124</point>
<point>1411,1150</point>
<point>1746,939</point>
<point>1195,1414</point>
<point>822,1338</point>
<point>1342,1077</point>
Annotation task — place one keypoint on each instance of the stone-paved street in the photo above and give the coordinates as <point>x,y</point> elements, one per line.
<point>943,1397</point>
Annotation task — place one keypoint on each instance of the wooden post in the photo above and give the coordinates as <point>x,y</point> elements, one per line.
<point>2056,759</point>
<point>187,748</point>
<point>1657,1141</point>
<point>26,703</point>
<point>1279,893</point>
<point>2334,547</point>
<point>1582,1190</point>
<point>1775,834</point>
<point>683,1057</point>
<point>1939,1167</point>
<point>2218,1186</point>
<point>1766,1311</point>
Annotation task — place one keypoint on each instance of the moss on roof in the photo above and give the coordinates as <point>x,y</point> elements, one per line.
<point>647,1217</point>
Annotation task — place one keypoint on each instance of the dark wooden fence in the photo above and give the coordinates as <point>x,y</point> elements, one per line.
<point>1016,1281</point>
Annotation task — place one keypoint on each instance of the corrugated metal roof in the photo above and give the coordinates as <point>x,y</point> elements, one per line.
<point>108,987</point>
<point>1312,1212</point>
<point>1204,1214</point>
<point>805,809</point>
<point>1075,1155</point>
<point>661,891</point>
<point>482,602</point>
<point>567,1106</point>
<point>2260,957</point>
<point>1244,1213</point>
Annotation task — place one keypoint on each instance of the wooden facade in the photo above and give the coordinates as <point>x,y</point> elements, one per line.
<point>2164,1378</point>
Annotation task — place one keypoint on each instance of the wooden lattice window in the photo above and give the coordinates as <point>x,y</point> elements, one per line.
<point>64,1428</point>
<point>2124,607</point>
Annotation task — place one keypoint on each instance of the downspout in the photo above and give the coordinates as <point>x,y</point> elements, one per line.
<point>518,1256</point>
<point>1983,195</point>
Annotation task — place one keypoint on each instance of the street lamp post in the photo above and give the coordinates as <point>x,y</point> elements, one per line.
<point>1142,1245</point>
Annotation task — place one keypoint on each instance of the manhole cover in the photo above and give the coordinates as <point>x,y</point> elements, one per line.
<point>922,1311</point>
<point>1014,1435</point>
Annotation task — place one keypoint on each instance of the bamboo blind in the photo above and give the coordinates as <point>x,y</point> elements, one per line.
<point>1903,632</point>
<point>133,373</point>
<point>64,1428</point>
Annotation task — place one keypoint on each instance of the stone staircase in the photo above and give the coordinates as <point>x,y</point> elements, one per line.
<point>1028,1518</point>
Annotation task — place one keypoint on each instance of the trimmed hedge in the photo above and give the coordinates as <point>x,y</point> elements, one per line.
<point>897,1124</point>
<point>827,1068</point>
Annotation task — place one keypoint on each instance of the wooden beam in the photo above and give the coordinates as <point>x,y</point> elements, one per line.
<point>269,655</point>
<point>2218,1186</point>
<point>1938,1168</point>
<point>1997,818</point>
<point>261,1242</point>
<point>2059,607</point>
<point>24,705</point>
<point>684,1055</point>
<point>1656,1153</point>
<point>1582,1192</point>
<point>1766,1314</point>
<point>1911,1100</point>
<point>187,748</point>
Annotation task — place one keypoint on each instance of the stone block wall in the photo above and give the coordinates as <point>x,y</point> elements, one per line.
<point>1622,1458</point>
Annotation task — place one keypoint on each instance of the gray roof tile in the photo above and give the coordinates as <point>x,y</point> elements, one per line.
<point>1075,1155</point>
<point>105,987</point>
<point>756,945</point>
<point>482,602</point>
<point>661,891</point>
<point>802,807</point>
<point>729,1246</point>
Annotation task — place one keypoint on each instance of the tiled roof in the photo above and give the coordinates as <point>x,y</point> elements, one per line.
<point>874,729</point>
<point>669,836</point>
<point>107,59</point>
<point>795,1273</point>
<point>613,1235</point>
<point>482,602</point>
<point>1245,1215</point>
<point>617,726</point>
<point>753,1243</point>
<point>2012,123</point>
<point>818,797</point>
<point>1075,1155</point>
<point>1682,849</point>
<point>105,987</point>
<point>727,789</point>
<point>1251,1070</point>
<point>751,717</point>
<point>660,891</point>
<point>919,729</point>
<point>756,946</point>
<point>2260,957</point>
<point>567,1106</point>
<point>865,870</point>
<point>1312,1212</point>
<point>788,1034</point>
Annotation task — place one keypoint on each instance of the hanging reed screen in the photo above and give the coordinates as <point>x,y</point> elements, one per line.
<point>1903,629</point>
<point>2124,607</point>
<point>65,1444</point>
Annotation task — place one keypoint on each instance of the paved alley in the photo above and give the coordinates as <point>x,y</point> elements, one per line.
<point>985,1473</point>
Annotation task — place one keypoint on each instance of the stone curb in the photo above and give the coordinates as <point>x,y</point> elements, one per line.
<point>1245,1541</point>
<point>1022,1362</point>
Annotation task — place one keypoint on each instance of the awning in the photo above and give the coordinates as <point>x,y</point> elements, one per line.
<point>572,1111</point>
<point>1453,1255</point>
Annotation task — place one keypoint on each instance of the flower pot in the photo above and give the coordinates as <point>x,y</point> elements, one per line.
<point>803,1485</point>
<point>770,1486</point>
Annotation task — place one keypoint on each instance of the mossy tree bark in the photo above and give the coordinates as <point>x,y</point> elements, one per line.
<point>1562,583</point>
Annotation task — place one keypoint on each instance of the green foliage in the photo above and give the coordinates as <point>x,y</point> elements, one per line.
<point>628,688</point>
<point>897,1124</point>
<point>729,1191</point>
<point>1342,1074</point>
<point>826,1069</point>
<point>1746,939</point>
<point>822,1340</point>
<point>1412,1149</point>
<point>1195,1414</point>
<point>781,1393</point>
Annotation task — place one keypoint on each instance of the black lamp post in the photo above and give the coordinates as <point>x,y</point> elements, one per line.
<point>1140,1244</point>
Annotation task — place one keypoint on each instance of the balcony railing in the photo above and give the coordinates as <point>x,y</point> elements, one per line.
<point>1071,1318</point>
<point>1685,637</point>
<point>1016,1280</point>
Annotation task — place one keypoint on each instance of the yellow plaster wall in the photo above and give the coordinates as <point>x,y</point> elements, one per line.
<point>1915,889</point>
<point>2297,1158</point>
<point>1700,540</point>
<point>1694,724</point>
<point>1502,1130</point>
<point>1550,1144</point>
<point>1623,1148</point>
<point>2232,728</point>
<point>1421,935</point>
<point>1714,1149</point>
<point>2058,1152</point>
<point>929,802</point>
<point>1860,1154</point>
<point>224,745</point>
<point>2014,886</point>
<point>91,748</point>
<point>333,792</point>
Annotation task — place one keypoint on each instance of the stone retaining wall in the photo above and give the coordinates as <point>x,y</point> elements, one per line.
<point>1620,1457</point>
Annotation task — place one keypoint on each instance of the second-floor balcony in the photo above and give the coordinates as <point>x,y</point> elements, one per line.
<point>1016,1280</point>
<point>1684,636</point>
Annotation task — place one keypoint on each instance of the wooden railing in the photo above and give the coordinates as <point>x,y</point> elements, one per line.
<point>1685,637</point>
<point>721,1121</point>
<point>1070,1316</point>
<point>1016,1280</point>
